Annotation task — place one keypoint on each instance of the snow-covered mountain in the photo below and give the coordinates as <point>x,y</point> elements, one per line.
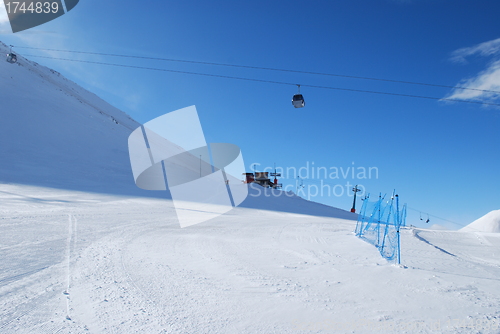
<point>55,133</point>
<point>84,251</point>
<point>490,222</point>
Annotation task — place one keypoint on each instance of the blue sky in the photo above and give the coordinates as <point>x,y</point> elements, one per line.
<point>441,157</point>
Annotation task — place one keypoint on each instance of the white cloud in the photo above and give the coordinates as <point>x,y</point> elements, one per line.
<point>485,86</point>
<point>484,49</point>
<point>479,87</point>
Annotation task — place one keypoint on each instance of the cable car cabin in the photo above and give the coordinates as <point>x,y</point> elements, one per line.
<point>11,58</point>
<point>298,101</point>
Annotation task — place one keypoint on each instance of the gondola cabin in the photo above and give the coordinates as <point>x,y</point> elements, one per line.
<point>11,58</point>
<point>298,101</point>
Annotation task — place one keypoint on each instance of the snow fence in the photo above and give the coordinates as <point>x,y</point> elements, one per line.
<point>379,223</point>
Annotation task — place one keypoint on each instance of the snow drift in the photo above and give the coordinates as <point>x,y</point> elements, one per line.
<point>490,222</point>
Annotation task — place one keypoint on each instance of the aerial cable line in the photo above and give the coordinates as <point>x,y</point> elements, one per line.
<point>266,68</point>
<point>429,215</point>
<point>447,220</point>
<point>268,81</point>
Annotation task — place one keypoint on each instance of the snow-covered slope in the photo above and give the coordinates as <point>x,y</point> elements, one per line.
<point>76,262</point>
<point>490,222</point>
<point>437,227</point>
<point>55,133</point>
<point>260,198</point>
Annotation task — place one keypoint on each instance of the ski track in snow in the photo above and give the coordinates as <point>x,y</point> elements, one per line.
<point>108,264</point>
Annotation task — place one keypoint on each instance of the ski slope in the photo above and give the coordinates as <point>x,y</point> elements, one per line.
<point>84,251</point>
<point>127,267</point>
<point>55,133</point>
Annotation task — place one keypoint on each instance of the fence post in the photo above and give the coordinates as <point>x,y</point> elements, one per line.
<point>387,225</point>
<point>398,224</point>
<point>379,218</point>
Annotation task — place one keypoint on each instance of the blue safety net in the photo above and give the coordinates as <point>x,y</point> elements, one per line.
<point>379,223</point>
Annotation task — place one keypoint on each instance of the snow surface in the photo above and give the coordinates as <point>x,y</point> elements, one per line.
<point>127,267</point>
<point>54,133</point>
<point>490,222</point>
<point>84,251</point>
<point>437,227</point>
